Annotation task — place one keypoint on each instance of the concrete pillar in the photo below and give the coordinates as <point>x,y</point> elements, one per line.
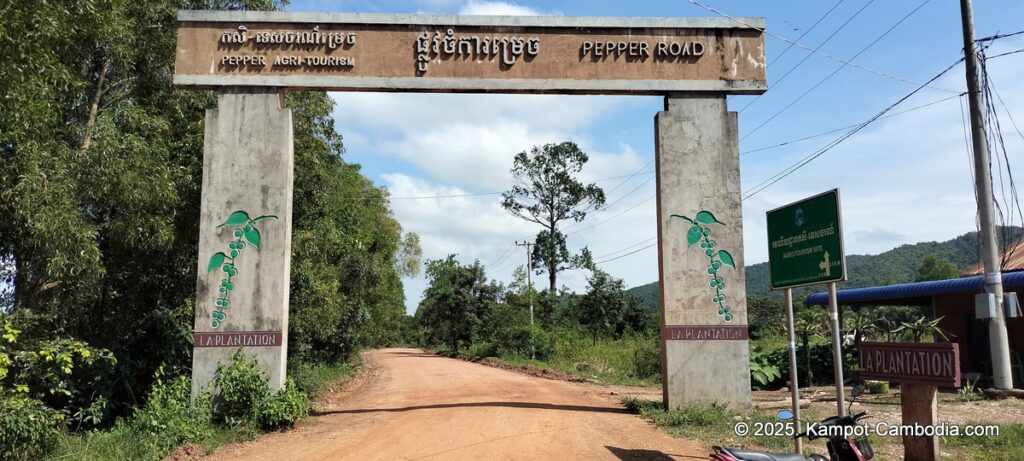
<point>705,354</point>
<point>244,234</point>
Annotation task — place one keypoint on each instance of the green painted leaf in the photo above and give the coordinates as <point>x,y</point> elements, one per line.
<point>727,259</point>
<point>693,236</point>
<point>216,261</point>
<point>236,219</point>
<point>253,236</point>
<point>262,217</point>
<point>705,217</point>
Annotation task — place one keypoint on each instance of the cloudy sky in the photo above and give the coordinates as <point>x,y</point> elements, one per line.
<point>904,179</point>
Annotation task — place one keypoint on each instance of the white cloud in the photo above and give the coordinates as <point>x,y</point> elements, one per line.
<point>495,8</point>
<point>470,140</point>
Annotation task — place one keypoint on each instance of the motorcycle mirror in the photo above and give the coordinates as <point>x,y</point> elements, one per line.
<point>858,390</point>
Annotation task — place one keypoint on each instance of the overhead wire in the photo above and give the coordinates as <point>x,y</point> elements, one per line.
<point>836,71</point>
<point>800,45</point>
<point>836,130</point>
<point>625,248</point>
<point>842,26</point>
<point>818,153</point>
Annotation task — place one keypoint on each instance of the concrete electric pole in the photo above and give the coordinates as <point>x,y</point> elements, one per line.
<point>998,341</point>
<point>529,283</point>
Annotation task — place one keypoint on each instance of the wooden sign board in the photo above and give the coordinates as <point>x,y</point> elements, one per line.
<point>935,364</point>
<point>507,54</point>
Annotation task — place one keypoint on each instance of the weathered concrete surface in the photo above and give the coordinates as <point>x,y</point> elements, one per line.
<point>247,166</point>
<point>919,403</point>
<point>697,160</point>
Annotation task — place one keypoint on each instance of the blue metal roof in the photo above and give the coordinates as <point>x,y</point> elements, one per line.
<point>917,292</point>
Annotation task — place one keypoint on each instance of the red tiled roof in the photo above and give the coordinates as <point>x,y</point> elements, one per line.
<point>1012,258</point>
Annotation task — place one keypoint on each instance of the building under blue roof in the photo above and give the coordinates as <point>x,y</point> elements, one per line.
<point>951,300</point>
<point>914,294</point>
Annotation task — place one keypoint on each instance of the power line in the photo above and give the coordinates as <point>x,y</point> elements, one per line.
<point>627,210</point>
<point>995,37</point>
<point>627,254</point>
<point>620,250</point>
<point>834,72</point>
<point>502,257</point>
<point>836,130</point>
<point>627,194</point>
<point>776,36</point>
<point>809,158</point>
<point>809,29</point>
<point>808,56</point>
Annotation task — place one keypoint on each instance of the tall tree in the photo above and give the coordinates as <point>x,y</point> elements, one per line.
<point>606,308</point>
<point>101,160</point>
<point>934,267</point>
<point>546,192</point>
<point>456,302</point>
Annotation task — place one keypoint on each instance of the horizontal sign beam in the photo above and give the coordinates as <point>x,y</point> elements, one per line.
<point>936,364</point>
<point>504,54</point>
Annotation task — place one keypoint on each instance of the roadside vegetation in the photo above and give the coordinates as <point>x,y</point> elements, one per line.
<point>101,161</point>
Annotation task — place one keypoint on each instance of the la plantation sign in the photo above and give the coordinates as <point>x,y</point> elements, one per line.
<point>470,54</point>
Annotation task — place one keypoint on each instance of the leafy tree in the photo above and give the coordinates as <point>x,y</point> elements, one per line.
<point>607,309</point>
<point>101,160</point>
<point>547,192</point>
<point>456,301</point>
<point>407,261</point>
<point>765,316</point>
<point>935,267</point>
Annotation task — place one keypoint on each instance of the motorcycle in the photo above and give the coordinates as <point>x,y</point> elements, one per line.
<point>842,445</point>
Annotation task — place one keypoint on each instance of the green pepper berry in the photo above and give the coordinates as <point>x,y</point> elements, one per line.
<point>237,233</point>
<point>234,253</point>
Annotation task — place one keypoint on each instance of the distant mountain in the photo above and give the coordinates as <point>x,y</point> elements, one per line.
<point>898,265</point>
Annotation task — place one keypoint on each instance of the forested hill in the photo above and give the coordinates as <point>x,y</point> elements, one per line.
<point>898,265</point>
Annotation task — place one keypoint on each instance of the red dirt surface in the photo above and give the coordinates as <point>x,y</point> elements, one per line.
<point>412,405</point>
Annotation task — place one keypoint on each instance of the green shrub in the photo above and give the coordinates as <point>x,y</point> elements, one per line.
<point>283,408</point>
<point>241,387</point>
<point>244,398</point>
<point>28,428</point>
<point>169,418</point>
<point>482,349</point>
<point>647,361</point>
<point>524,341</point>
<point>763,373</point>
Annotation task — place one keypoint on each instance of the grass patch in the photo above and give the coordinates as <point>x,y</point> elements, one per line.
<point>630,361</point>
<point>714,424</point>
<point>1006,446</point>
<point>316,380</point>
<point>169,420</point>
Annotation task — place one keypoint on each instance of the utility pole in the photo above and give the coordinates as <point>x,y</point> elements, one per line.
<point>529,284</point>
<point>998,341</point>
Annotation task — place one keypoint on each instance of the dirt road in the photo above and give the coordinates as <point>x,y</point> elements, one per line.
<point>418,406</point>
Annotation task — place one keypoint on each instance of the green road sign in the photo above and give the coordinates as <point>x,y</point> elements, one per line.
<point>805,242</point>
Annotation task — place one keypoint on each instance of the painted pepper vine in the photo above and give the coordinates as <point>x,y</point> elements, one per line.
<point>700,232</point>
<point>246,232</point>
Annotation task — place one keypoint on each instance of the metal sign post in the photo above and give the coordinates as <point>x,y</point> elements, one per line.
<point>805,247</point>
<point>794,385</point>
<point>837,349</point>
